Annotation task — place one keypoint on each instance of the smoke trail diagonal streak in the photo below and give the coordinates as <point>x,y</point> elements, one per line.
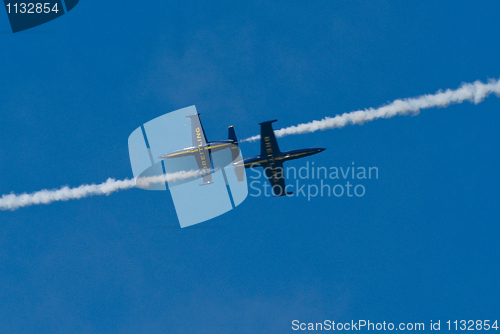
<point>14,201</point>
<point>474,92</point>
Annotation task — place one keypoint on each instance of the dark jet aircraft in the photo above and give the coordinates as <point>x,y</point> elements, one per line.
<point>202,149</point>
<point>272,159</point>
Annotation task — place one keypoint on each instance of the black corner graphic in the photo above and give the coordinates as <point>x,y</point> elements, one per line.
<point>26,15</point>
<point>70,4</point>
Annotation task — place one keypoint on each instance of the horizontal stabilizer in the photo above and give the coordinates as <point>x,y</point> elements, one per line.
<point>206,183</point>
<point>285,194</point>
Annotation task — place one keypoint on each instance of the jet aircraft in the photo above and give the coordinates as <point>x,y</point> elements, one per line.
<point>202,149</point>
<point>272,159</point>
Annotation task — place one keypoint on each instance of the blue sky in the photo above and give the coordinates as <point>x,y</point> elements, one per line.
<point>420,245</point>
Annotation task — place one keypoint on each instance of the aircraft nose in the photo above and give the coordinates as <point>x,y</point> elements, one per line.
<point>321,149</point>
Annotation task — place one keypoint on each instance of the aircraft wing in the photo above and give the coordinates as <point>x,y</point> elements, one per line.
<point>268,144</point>
<point>277,179</point>
<point>204,161</point>
<point>203,157</point>
<point>197,132</point>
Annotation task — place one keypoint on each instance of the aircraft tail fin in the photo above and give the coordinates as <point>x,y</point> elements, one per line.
<point>231,135</point>
<point>235,152</point>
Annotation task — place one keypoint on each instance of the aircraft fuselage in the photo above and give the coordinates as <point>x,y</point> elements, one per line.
<point>208,148</point>
<point>259,161</point>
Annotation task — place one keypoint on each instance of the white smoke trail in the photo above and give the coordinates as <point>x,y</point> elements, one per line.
<point>474,92</point>
<point>14,202</point>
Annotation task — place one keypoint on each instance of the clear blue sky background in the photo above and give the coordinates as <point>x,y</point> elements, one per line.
<point>421,245</point>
